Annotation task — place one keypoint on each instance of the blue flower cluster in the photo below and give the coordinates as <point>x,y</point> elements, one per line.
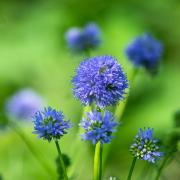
<point>145,51</point>
<point>98,127</point>
<point>145,146</point>
<point>100,80</point>
<point>23,104</point>
<point>82,40</point>
<point>50,124</point>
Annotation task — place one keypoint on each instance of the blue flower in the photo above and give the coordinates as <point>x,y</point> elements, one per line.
<point>23,104</point>
<point>80,40</point>
<point>145,146</point>
<point>74,39</point>
<point>98,127</point>
<point>145,51</point>
<point>100,80</point>
<point>50,124</point>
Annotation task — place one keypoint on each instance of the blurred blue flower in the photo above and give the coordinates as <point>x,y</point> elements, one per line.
<point>85,39</point>
<point>100,80</point>
<point>145,146</point>
<point>23,104</point>
<point>50,124</point>
<point>145,51</point>
<point>74,39</point>
<point>98,127</point>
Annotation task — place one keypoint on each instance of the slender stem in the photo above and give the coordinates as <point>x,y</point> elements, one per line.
<point>98,162</point>
<point>87,53</point>
<point>132,168</point>
<point>120,109</point>
<point>145,171</point>
<point>62,165</point>
<point>24,138</point>
<point>77,151</point>
<point>162,166</point>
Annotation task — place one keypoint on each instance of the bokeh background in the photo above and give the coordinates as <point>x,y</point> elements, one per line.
<point>33,53</point>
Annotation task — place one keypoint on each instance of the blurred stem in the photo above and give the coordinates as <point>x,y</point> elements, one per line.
<point>87,53</point>
<point>177,160</point>
<point>62,165</point>
<point>132,168</point>
<point>166,158</point>
<point>121,107</point>
<point>156,168</point>
<point>144,171</point>
<point>25,139</point>
<point>78,146</point>
<point>98,161</point>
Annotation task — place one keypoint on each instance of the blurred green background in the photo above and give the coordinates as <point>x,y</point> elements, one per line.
<point>33,53</point>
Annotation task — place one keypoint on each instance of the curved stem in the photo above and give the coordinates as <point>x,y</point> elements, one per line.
<point>78,148</point>
<point>87,53</point>
<point>22,135</point>
<point>120,110</point>
<point>98,162</point>
<point>162,166</point>
<point>62,165</point>
<point>132,168</point>
<point>121,107</point>
<point>145,171</point>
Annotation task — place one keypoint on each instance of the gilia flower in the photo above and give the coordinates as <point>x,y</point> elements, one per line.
<point>50,124</point>
<point>80,40</point>
<point>145,51</point>
<point>145,146</point>
<point>23,104</point>
<point>98,127</point>
<point>100,80</point>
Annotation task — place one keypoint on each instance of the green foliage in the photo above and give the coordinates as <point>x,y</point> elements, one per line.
<point>3,121</point>
<point>33,53</point>
<point>67,163</point>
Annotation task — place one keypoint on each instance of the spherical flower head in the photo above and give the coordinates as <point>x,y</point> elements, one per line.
<point>84,39</point>
<point>145,146</point>
<point>91,36</point>
<point>23,104</point>
<point>100,80</point>
<point>74,39</point>
<point>145,51</point>
<point>50,124</point>
<point>98,127</point>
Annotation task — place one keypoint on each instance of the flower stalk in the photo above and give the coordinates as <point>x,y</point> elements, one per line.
<point>132,168</point>
<point>159,172</point>
<point>121,108</point>
<point>62,165</point>
<point>98,162</point>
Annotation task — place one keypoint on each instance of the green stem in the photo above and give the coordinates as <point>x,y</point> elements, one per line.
<point>62,165</point>
<point>162,166</point>
<point>22,135</point>
<point>144,172</point>
<point>120,109</point>
<point>98,162</point>
<point>78,148</point>
<point>132,168</point>
<point>87,53</point>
